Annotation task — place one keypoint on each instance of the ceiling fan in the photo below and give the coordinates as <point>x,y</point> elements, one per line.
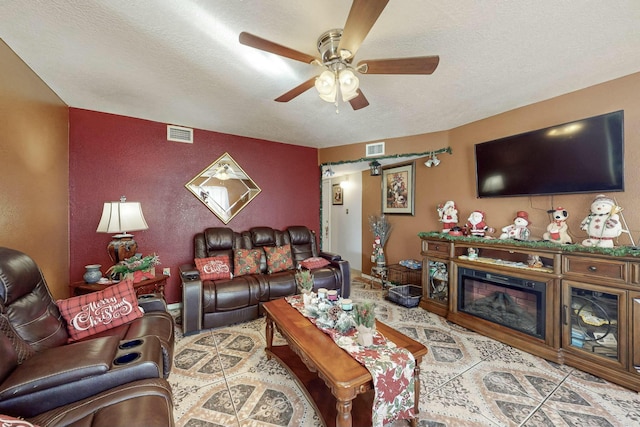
<point>337,49</point>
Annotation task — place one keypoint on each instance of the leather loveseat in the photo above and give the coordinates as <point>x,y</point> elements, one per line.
<point>114,377</point>
<point>214,303</point>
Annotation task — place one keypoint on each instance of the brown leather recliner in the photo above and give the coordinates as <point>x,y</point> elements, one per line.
<point>210,304</point>
<point>41,372</point>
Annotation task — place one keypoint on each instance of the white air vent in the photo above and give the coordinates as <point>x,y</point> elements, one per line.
<point>179,134</point>
<point>375,149</point>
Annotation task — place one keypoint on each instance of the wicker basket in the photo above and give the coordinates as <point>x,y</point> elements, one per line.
<point>401,275</point>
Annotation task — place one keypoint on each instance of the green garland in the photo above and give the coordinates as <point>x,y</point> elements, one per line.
<point>620,251</point>
<point>391,156</point>
<point>135,263</point>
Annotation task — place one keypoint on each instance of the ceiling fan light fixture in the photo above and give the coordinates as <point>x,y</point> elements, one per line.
<point>348,81</point>
<point>326,86</point>
<point>331,97</point>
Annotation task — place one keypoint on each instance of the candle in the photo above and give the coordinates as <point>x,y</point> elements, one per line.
<point>322,293</point>
<point>347,304</point>
<point>332,295</point>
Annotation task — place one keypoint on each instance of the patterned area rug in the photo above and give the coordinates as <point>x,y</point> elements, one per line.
<point>223,378</point>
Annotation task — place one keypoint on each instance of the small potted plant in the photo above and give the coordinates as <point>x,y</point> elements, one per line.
<point>304,280</point>
<point>364,316</point>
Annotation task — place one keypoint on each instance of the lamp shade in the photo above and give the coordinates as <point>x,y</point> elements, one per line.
<point>120,217</point>
<point>348,85</point>
<point>326,86</point>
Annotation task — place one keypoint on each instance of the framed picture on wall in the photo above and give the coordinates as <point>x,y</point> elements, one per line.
<point>398,192</point>
<point>337,194</point>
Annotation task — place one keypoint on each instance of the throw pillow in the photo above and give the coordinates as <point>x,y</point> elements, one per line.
<point>214,268</point>
<point>278,258</point>
<point>246,261</point>
<point>99,311</point>
<point>314,262</point>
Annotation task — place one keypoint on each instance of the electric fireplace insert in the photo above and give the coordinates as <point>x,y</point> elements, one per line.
<point>508,301</point>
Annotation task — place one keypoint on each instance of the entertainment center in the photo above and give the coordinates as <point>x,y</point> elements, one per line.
<point>566,303</point>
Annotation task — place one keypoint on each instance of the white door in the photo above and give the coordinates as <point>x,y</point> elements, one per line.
<point>325,217</point>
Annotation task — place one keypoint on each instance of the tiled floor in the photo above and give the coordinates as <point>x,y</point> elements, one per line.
<point>222,378</point>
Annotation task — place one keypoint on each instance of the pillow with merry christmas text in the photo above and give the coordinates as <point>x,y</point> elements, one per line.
<point>89,314</point>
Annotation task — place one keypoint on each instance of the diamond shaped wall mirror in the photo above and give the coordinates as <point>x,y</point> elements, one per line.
<point>224,187</point>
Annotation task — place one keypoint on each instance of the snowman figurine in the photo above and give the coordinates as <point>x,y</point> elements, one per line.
<point>448,215</point>
<point>518,230</point>
<point>603,223</point>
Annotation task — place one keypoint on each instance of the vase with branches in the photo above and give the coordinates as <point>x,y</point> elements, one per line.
<point>381,228</point>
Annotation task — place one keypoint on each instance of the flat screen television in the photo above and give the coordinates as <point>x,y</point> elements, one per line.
<point>584,156</point>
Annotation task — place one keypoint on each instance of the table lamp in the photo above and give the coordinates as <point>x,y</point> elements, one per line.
<point>121,217</point>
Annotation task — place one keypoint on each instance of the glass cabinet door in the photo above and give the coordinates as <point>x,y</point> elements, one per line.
<point>592,321</point>
<point>438,283</point>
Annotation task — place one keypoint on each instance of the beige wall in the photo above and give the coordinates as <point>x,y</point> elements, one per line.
<point>34,170</point>
<point>454,178</point>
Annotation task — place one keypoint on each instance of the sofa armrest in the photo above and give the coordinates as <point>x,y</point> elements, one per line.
<point>62,375</point>
<point>152,302</point>
<point>191,300</point>
<point>345,273</point>
<point>60,365</point>
<point>330,256</point>
<point>189,272</point>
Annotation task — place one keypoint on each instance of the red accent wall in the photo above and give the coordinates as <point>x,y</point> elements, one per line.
<point>111,156</point>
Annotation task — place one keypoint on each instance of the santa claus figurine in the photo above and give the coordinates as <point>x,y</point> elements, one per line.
<point>476,226</point>
<point>448,215</point>
<point>603,223</point>
<point>518,230</point>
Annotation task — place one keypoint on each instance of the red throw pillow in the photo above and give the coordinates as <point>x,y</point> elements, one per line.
<point>246,261</point>
<point>278,258</point>
<point>99,311</point>
<point>315,262</point>
<point>214,268</point>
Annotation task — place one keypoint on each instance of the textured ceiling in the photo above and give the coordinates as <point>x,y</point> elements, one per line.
<point>180,62</point>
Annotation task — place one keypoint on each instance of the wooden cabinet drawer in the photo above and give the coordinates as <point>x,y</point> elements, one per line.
<point>438,248</point>
<point>595,267</point>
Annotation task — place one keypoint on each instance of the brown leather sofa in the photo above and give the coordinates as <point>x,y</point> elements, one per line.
<point>115,377</point>
<point>214,303</point>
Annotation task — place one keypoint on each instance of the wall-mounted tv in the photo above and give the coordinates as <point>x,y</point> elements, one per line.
<point>583,156</point>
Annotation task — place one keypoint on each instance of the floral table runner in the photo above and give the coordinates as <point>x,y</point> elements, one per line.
<point>391,369</point>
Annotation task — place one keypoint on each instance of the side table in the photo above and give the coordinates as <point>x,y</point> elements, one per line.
<point>149,286</point>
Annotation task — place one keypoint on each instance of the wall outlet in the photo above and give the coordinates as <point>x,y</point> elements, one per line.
<point>166,271</point>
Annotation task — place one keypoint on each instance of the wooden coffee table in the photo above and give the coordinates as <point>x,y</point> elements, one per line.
<point>340,387</point>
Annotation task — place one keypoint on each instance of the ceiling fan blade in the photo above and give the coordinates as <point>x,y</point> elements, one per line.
<point>362,16</point>
<point>359,101</point>
<point>271,47</point>
<point>414,65</point>
<point>301,88</point>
